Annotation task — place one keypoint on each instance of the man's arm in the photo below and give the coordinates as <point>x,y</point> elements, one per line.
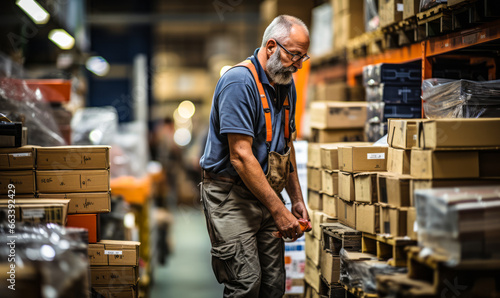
<point>250,171</point>
<point>294,191</point>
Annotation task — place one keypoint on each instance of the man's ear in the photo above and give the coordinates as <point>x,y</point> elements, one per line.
<point>271,47</point>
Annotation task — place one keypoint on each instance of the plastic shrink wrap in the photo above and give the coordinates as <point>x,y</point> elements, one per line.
<point>43,261</point>
<point>460,223</point>
<point>361,272</point>
<point>444,98</point>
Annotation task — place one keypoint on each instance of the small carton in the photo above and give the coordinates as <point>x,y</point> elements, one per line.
<point>313,248</point>
<point>337,115</point>
<point>330,267</point>
<point>347,213</point>
<point>67,181</point>
<point>362,158</point>
<point>393,221</point>
<point>72,158</point>
<point>20,158</point>
<point>330,205</point>
<point>314,200</point>
<point>85,202</point>
<point>346,186</point>
<point>319,218</point>
<point>337,135</point>
<point>398,161</point>
<point>402,133</point>
<point>329,154</point>
<point>37,210</point>
<point>312,275</point>
<point>114,253</point>
<point>394,190</point>
<point>367,218</point>
<point>17,182</point>
<point>114,275</point>
<point>330,182</point>
<point>429,164</point>
<point>365,187</point>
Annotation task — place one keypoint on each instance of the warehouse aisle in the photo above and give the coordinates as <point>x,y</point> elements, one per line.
<point>188,272</point>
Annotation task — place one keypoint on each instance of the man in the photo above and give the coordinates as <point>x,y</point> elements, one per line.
<point>249,158</point>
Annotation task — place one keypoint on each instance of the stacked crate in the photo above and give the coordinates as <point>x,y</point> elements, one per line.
<point>392,91</point>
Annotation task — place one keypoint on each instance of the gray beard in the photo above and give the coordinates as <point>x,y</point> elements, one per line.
<point>277,73</point>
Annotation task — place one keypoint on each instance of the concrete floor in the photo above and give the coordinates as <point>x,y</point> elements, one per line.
<point>188,272</point>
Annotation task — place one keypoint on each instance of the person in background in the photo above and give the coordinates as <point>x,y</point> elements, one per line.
<point>249,159</point>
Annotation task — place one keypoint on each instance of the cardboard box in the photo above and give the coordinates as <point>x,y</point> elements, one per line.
<point>330,206</point>
<point>412,225</point>
<point>21,158</point>
<point>114,253</point>
<point>390,12</point>
<point>319,218</point>
<point>313,248</point>
<point>114,275</point>
<point>37,210</point>
<point>402,133</point>
<point>85,202</point>
<point>314,200</point>
<point>311,275</point>
<point>330,182</point>
<point>91,222</point>
<point>73,158</point>
<point>127,291</point>
<point>428,164</point>
<point>362,158</point>
<point>365,187</point>
<point>335,115</point>
<point>347,213</point>
<point>67,181</point>
<point>346,186</point>
<point>367,218</point>
<point>330,267</point>
<point>330,156</point>
<point>314,179</point>
<point>337,135</point>
<point>23,181</point>
<point>393,221</point>
<point>410,8</point>
<point>459,133</point>
<point>394,190</point>
<point>398,161</point>
<point>313,155</point>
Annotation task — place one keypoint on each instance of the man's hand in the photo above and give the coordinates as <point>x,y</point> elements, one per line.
<point>300,211</point>
<point>288,225</point>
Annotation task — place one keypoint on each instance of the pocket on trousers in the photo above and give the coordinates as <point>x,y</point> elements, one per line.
<point>228,262</point>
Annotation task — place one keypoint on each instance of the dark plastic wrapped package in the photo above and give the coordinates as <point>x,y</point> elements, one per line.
<point>426,4</point>
<point>402,111</point>
<point>394,94</point>
<point>50,261</point>
<point>395,74</point>
<point>362,273</point>
<point>21,104</point>
<point>445,98</point>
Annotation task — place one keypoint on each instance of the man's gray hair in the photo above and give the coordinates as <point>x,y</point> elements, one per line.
<point>280,28</point>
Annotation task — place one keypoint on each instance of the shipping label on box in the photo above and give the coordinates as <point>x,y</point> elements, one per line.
<point>314,200</point>
<point>23,182</point>
<point>365,187</point>
<point>347,213</point>
<point>335,115</point>
<point>73,158</point>
<point>313,248</point>
<point>459,133</point>
<point>314,179</point>
<point>362,158</point>
<point>330,267</point>
<point>72,181</point>
<point>21,158</point>
<point>393,221</point>
<point>402,133</point>
<point>114,252</point>
<point>394,189</point>
<point>114,275</point>
<point>346,186</point>
<point>398,161</point>
<point>330,182</point>
<point>429,164</point>
<point>367,218</point>
<point>85,202</point>
<point>330,205</point>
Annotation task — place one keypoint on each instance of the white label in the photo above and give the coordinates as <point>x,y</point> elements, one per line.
<point>414,137</point>
<point>375,155</point>
<point>415,226</point>
<point>27,154</point>
<point>113,252</point>
<point>34,213</point>
<point>400,7</point>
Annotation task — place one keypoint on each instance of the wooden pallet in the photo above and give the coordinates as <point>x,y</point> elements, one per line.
<point>366,44</point>
<point>334,290</point>
<point>337,236</point>
<point>401,33</point>
<point>474,278</point>
<point>358,292</point>
<point>433,22</point>
<point>401,286</point>
<point>387,248</point>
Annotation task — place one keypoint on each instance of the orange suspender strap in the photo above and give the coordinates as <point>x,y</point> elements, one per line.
<point>267,111</point>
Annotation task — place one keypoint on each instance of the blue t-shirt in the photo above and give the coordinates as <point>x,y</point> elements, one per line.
<point>237,108</point>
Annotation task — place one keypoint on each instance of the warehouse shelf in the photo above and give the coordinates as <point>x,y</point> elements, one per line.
<point>472,38</point>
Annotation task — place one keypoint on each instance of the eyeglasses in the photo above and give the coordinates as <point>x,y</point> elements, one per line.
<point>295,57</point>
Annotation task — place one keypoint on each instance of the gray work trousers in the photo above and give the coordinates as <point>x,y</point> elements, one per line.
<point>246,258</point>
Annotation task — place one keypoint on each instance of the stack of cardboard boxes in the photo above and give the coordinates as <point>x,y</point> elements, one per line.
<point>348,21</point>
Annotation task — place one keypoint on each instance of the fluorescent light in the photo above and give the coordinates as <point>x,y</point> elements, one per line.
<point>98,65</point>
<point>62,39</point>
<point>34,10</point>
<point>186,109</point>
